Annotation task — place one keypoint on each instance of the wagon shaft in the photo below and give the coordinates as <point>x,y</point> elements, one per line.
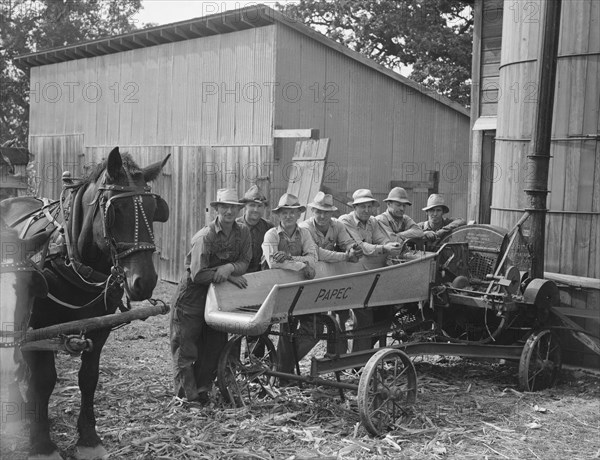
<point>74,327</point>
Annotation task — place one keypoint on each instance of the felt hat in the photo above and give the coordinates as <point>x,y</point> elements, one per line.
<point>434,201</point>
<point>398,194</point>
<point>226,196</point>
<point>254,195</point>
<point>323,201</point>
<point>289,201</point>
<point>362,195</point>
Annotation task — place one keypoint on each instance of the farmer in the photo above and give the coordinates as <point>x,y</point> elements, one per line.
<point>375,245</point>
<point>437,227</point>
<point>395,223</point>
<point>290,247</point>
<point>255,204</point>
<point>334,244</point>
<point>220,252</point>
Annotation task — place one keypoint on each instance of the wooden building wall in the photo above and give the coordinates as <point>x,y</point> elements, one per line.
<point>572,236</point>
<point>381,130</point>
<point>207,101</point>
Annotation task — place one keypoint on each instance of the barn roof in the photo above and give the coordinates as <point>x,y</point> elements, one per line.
<point>221,23</point>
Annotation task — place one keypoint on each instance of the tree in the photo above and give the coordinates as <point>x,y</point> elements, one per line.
<point>27,26</point>
<point>431,37</point>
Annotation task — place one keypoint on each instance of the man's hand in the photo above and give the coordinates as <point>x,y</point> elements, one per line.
<point>354,254</point>
<point>280,257</point>
<point>239,281</point>
<point>429,235</point>
<point>309,272</point>
<point>223,273</point>
<point>393,249</point>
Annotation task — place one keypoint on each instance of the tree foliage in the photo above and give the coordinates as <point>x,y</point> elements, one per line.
<point>431,37</point>
<point>28,26</point>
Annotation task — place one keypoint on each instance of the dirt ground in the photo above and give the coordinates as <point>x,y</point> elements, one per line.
<point>465,410</point>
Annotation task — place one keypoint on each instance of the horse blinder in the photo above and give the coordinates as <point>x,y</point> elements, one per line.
<point>162,210</point>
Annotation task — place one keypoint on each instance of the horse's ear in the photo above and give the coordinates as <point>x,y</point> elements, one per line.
<point>114,163</point>
<point>151,171</point>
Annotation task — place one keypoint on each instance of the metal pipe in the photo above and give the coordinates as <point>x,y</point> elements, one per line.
<point>539,158</point>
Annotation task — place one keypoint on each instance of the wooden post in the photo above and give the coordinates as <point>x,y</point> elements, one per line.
<point>539,157</point>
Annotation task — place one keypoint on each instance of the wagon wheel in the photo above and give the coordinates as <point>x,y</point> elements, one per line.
<point>540,361</point>
<point>388,385</point>
<point>241,373</point>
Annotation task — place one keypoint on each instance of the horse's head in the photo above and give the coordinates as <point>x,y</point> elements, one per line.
<point>21,281</point>
<point>117,230</point>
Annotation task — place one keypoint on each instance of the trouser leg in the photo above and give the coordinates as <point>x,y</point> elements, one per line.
<point>185,334</point>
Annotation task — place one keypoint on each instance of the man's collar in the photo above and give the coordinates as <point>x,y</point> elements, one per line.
<point>219,227</point>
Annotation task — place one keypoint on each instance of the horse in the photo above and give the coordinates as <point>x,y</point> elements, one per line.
<point>100,251</point>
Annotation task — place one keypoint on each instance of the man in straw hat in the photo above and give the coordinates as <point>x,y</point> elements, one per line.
<point>394,222</point>
<point>255,203</point>
<point>291,247</point>
<point>437,227</point>
<point>334,243</point>
<point>220,252</point>
<point>375,245</point>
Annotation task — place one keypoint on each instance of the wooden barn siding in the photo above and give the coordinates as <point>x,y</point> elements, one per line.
<point>572,236</point>
<point>206,91</point>
<point>188,182</point>
<point>380,129</point>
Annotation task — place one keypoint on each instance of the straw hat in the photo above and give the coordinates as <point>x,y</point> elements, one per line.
<point>289,201</point>
<point>226,196</point>
<point>362,195</point>
<point>398,194</point>
<point>254,195</point>
<point>435,200</point>
<point>323,201</point>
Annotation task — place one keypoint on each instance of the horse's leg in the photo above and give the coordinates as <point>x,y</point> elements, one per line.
<point>89,445</point>
<point>41,385</point>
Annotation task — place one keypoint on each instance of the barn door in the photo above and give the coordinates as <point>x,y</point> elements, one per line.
<point>306,172</point>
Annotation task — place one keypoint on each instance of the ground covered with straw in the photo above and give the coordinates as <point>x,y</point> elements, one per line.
<point>465,409</point>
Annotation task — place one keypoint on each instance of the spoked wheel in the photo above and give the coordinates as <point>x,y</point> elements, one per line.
<point>241,373</point>
<point>540,362</point>
<point>388,385</point>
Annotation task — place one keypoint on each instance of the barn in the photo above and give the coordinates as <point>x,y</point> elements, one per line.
<point>506,54</point>
<point>228,96</point>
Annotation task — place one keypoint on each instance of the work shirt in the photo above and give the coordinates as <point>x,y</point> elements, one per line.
<point>299,245</point>
<point>336,236</point>
<point>399,230</point>
<point>257,234</point>
<point>447,226</point>
<point>368,235</point>
<point>211,248</point>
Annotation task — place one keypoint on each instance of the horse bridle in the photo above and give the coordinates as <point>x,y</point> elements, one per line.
<point>121,250</point>
<point>118,250</point>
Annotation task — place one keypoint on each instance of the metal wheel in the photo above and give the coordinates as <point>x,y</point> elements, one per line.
<point>387,386</point>
<point>540,361</point>
<point>241,373</point>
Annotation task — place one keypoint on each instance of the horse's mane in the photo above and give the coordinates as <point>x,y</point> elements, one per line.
<point>128,164</point>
